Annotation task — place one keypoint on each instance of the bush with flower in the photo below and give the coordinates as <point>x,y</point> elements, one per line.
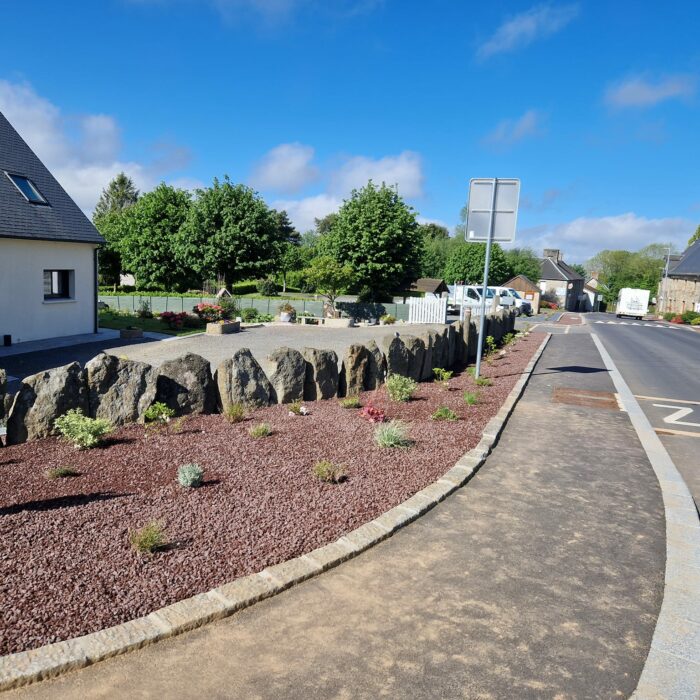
<point>173,320</point>
<point>209,312</point>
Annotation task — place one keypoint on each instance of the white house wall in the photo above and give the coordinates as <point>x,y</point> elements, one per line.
<point>24,314</point>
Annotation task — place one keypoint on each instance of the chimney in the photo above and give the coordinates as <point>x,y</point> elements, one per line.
<point>552,253</point>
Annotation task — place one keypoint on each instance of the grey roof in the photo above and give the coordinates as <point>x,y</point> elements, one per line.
<point>689,264</point>
<point>62,220</point>
<point>558,270</point>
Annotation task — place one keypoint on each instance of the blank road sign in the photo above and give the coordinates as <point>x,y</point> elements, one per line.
<point>504,206</point>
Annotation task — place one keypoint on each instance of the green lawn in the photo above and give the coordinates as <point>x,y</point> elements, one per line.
<point>109,319</point>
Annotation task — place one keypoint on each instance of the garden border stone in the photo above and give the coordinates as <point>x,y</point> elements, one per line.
<point>52,660</point>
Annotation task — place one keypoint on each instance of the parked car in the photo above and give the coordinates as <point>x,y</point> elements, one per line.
<point>510,297</point>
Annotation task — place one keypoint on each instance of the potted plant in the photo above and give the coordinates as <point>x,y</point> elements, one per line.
<point>287,312</point>
<point>223,327</point>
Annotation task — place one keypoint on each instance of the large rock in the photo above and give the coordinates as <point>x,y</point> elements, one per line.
<point>439,350</point>
<point>120,390</point>
<point>321,375</point>
<point>416,354</point>
<point>428,339</point>
<point>397,355</point>
<point>42,398</point>
<point>241,380</point>
<point>287,375</point>
<point>451,346</point>
<point>376,367</point>
<point>185,384</point>
<point>353,370</point>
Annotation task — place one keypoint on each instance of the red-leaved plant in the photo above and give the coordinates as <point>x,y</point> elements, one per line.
<point>373,414</point>
<point>173,320</point>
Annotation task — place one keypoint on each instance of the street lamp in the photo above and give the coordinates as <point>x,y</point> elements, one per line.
<point>663,284</point>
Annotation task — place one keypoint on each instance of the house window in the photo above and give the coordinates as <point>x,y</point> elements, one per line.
<point>57,284</point>
<point>28,189</point>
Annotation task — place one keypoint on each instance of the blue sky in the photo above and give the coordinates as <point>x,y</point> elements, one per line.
<point>594,105</point>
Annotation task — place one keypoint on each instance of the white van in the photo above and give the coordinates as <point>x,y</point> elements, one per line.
<point>632,302</point>
<point>468,295</point>
<point>510,297</point>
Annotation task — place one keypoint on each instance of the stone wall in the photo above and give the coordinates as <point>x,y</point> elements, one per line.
<point>122,390</point>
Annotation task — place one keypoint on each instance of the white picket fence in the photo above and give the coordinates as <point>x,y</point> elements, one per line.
<point>427,310</point>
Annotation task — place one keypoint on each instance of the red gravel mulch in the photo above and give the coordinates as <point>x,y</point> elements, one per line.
<point>66,564</point>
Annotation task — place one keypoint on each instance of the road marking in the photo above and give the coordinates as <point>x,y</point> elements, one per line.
<point>674,418</point>
<point>669,431</point>
<point>663,398</point>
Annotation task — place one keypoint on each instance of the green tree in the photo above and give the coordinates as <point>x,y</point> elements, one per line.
<point>695,236</point>
<point>376,233</point>
<point>325,224</point>
<point>432,231</point>
<point>466,264</point>
<point>577,267</point>
<point>120,194</point>
<point>230,232</point>
<point>329,277</point>
<point>523,261</point>
<point>148,240</point>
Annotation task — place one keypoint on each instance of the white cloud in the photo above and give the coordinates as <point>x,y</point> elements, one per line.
<point>639,91</point>
<point>521,30</point>
<point>510,131</point>
<point>83,152</point>
<point>287,168</point>
<point>404,170</point>
<point>303,212</point>
<point>582,238</point>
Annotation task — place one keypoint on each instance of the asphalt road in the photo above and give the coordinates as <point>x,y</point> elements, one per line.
<point>661,365</point>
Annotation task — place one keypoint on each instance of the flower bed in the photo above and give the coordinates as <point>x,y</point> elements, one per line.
<point>67,566</point>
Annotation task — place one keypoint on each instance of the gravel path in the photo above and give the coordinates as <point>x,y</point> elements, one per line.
<point>66,566</point>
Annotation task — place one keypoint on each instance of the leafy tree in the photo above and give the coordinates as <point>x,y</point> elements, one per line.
<point>291,259</point>
<point>149,231</point>
<point>433,231</point>
<point>377,235</point>
<point>580,269</point>
<point>466,263</point>
<point>285,229</point>
<point>695,236</point>
<point>230,232</point>
<point>329,277</point>
<point>325,224</point>
<point>523,261</point>
<point>119,194</point>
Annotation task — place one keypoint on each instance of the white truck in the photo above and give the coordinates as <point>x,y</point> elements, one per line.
<point>632,302</point>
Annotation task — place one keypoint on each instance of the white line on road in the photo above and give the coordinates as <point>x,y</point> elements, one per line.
<point>680,412</point>
<point>665,398</point>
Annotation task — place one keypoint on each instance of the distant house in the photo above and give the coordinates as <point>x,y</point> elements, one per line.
<point>594,294</point>
<point>430,287</point>
<point>682,286</point>
<point>560,280</point>
<point>527,289</point>
<point>48,250</point>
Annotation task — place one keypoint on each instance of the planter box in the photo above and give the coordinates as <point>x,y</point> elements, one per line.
<point>130,333</point>
<point>338,322</point>
<point>223,328</point>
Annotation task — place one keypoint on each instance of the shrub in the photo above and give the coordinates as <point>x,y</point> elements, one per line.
<point>669,315</point>
<point>82,431</point>
<point>61,472</point>
<point>329,472</point>
<point>192,321</point>
<point>296,408</point>
<point>190,475</point>
<point>372,414</point>
<point>443,376</point>
<point>392,434</point>
<point>235,413</point>
<point>229,308</point>
<point>249,314</point>
<point>287,308</point>
<point>483,381</point>
<point>689,316</point>
<point>265,318</point>
<point>267,287</point>
<point>158,413</point>
<point>149,539</point>
<point>144,309</point>
<point>695,321</point>
<point>173,320</point>
<point>444,413</point>
<point>489,345</point>
<point>388,319</point>
<point>677,319</point>
<point>400,388</point>
<point>351,402</point>
<point>470,398</point>
<point>509,338</point>
<point>209,312</point>
<point>260,430</point>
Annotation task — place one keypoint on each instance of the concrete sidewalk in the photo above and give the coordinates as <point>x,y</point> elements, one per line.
<point>542,577</point>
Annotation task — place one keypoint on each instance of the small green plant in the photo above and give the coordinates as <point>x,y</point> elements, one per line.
<point>148,539</point>
<point>392,434</point>
<point>61,472</point>
<point>470,398</point>
<point>483,381</point>
<point>471,371</point>
<point>190,475</point>
<point>158,413</point>
<point>351,402</point>
<point>444,413</point>
<point>295,408</point>
<point>388,319</point>
<point>489,348</point>
<point>235,413</point>
<point>249,315</point>
<point>695,321</point>
<point>443,376</point>
<point>509,338</point>
<point>331,473</point>
<point>400,388</point>
<point>82,431</point>
<point>144,309</point>
<point>261,430</point>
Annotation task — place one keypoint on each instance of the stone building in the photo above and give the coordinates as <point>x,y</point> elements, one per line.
<point>560,280</point>
<point>680,291</point>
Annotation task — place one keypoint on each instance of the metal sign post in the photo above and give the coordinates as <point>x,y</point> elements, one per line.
<point>492,216</point>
